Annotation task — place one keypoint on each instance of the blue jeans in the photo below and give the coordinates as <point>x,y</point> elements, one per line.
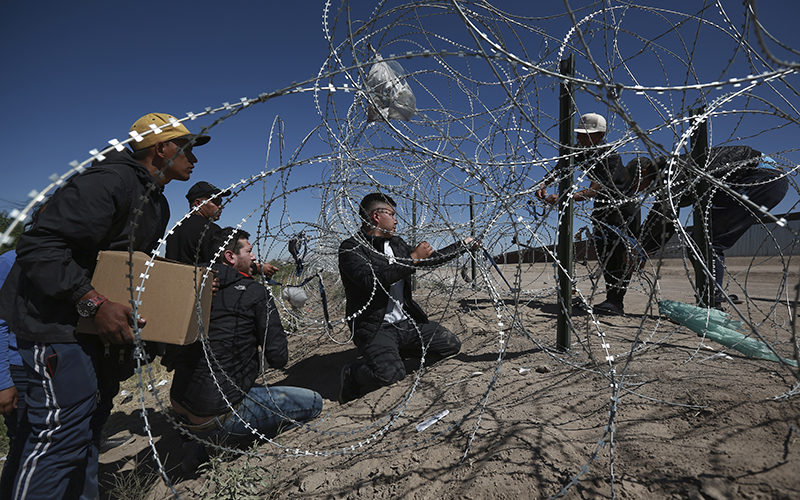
<point>69,398</point>
<point>269,410</point>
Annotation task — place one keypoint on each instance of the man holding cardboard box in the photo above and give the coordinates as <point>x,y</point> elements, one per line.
<point>116,204</point>
<point>224,403</point>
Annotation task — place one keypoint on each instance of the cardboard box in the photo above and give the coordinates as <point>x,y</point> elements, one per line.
<point>168,301</point>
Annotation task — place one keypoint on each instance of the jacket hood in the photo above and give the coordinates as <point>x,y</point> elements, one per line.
<point>124,157</point>
<point>229,276</point>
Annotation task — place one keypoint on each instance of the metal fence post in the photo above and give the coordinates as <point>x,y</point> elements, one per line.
<point>564,248</point>
<point>414,235</point>
<point>472,233</point>
<point>702,207</point>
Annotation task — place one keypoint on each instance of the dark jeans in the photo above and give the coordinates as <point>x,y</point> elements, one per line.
<point>382,362</point>
<point>730,219</point>
<point>69,398</point>
<point>611,250</point>
<point>18,429</point>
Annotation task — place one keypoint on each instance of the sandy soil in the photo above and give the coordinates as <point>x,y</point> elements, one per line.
<point>640,408</point>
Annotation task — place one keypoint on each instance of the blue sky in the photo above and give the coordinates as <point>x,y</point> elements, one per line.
<point>78,74</point>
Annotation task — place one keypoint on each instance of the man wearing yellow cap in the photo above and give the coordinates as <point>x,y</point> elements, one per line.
<point>116,204</point>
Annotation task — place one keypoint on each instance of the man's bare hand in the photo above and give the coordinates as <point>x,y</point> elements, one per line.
<point>472,243</point>
<point>113,322</point>
<point>8,400</point>
<point>423,251</point>
<point>214,287</point>
<point>268,270</point>
<point>552,199</point>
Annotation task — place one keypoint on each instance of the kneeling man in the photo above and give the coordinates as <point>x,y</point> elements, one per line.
<point>223,402</point>
<point>376,268</point>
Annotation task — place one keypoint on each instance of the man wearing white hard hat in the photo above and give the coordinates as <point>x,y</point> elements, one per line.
<point>614,215</point>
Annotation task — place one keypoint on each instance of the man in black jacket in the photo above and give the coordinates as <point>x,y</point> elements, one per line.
<point>615,215</point>
<point>376,268</point>
<point>189,242</point>
<point>224,402</point>
<point>746,171</point>
<point>116,204</point>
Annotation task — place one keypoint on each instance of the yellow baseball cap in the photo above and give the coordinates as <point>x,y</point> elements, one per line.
<point>161,127</point>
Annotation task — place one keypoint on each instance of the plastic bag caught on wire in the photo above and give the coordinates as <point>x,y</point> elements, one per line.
<point>296,296</point>
<point>390,95</point>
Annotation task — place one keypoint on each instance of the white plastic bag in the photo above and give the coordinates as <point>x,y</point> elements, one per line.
<point>391,97</point>
<point>296,296</point>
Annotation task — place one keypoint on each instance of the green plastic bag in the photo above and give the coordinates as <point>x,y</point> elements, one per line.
<point>720,327</point>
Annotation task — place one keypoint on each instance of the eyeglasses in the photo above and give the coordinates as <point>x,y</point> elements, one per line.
<point>187,149</point>
<point>390,213</point>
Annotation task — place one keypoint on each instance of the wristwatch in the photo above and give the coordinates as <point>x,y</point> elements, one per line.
<point>88,308</point>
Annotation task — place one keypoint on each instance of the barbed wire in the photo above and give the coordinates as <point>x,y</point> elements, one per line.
<point>469,162</point>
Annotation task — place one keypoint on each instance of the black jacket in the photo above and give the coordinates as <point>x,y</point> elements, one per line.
<point>56,258</point>
<point>243,317</point>
<point>730,164</point>
<point>194,233</point>
<point>604,167</point>
<point>726,163</point>
<point>363,265</point>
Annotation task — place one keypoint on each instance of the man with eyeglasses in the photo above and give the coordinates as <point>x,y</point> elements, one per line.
<point>116,204</point>
<point>376,267</point>
<point>188,242</point>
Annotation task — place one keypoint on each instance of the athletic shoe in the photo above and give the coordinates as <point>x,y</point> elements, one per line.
<point>348,388</point>
<point>608,307</point>
<point>196,456</point>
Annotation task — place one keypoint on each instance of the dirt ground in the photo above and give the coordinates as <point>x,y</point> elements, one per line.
<point>639,408</point>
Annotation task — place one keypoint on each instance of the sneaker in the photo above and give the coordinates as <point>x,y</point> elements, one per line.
<point>608,307</point>
<point>194,458</point>
<point>720,301</point>
<point>734,299</point>
<point>348,389</point>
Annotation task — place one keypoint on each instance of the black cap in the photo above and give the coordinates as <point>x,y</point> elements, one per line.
<point>204,189</point>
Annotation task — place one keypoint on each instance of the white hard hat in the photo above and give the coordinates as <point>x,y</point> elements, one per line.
<point>591,123</point>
